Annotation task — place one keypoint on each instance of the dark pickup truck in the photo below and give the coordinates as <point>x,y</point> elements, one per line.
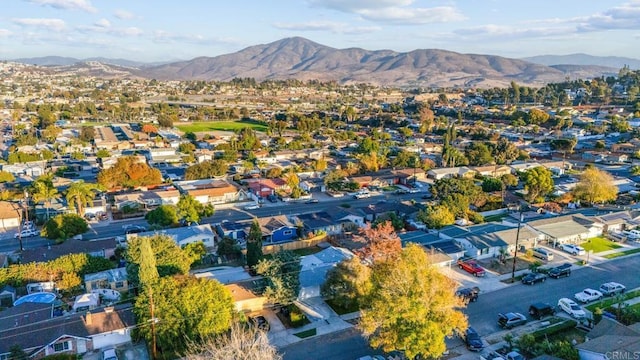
<point>471,266</point>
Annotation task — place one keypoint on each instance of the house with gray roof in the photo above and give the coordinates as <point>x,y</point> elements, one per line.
<point>319,221</point>
<point>314,269</point>
<point>185,235</point>
<point>114,279</point>
<point>567,229</point>
<point>449,250</point>
<point>610,340</point>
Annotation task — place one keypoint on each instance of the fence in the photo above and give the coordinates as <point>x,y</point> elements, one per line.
<point>294,245</point>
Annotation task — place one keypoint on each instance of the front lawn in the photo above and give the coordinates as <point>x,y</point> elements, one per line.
<point>341,310</point>
<point>599,244</point>
<point>622,253</point>
<point>607,302</point>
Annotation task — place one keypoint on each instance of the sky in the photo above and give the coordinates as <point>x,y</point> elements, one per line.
<point>168,30</point>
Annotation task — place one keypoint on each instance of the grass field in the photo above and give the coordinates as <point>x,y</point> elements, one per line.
<point>221,125</point>
<point>622,253</point>
<point>599,244</point>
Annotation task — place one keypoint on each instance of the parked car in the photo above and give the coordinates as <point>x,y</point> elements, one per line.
<point>514,355</point>
<point>560,271</point>
<point>26,233</point>
<point>272,198</point>
<point>588,295</point>
<point>470,266</point>
<point>612,288</point>
<point>252,207</point>
<point>135,229</point>
<point>472,340</point>
<point>571,307</point>
<point>109,354</point>
<point>540,310</point>
<point>260,322</point>
<point>573,249</point>
<point>542,253</point>
<point>311,201</point>
<point>511,319</point>
<point>469,294</point>
<point>533,277</point>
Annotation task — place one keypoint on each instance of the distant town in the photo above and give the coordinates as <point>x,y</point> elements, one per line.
<point>143,218</point>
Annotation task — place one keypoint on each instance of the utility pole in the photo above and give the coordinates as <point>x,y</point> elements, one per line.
<point>515,253</point>
<point>26,218</point>
<point>154,350</point>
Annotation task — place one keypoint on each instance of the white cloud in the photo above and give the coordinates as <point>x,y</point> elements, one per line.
<point>4,33</point>
<point>49,24</point>
<point>83,5</point>
<point>129,31</point>
<point>398,12</point>
<point>331,26</point>
<point>103,23</point>
<point>123,14</point>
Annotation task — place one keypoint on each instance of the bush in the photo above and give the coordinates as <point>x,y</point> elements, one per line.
<point>65,226</point>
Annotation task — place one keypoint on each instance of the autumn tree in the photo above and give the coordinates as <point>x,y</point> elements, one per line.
<point>380,243</point>
<point>537,182</point>
<point>129,172</point>
<point>595,186</point>
<point>425,307</point>
<point>348,284</point>
<point>426,117</point>
<point>87,133</point>
<point>149,129</point>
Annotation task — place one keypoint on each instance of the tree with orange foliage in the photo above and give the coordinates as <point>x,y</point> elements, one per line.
<point>128,172</point>
<point>381,243</point>
<point>149,129</point>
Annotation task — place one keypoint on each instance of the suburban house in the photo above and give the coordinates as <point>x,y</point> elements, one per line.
<point>450,172</point>
<point>618,221</point>
<point>567,229</point>
<point>184,235</point>
<point>495,171</point>
<point>114,279</point>
<point>409,176</point>
<point>449,250</point>
<point>319,221</point>
<point>610,337</point>
<point>31,168</point>
<point>75,333</point>
<point>373,211</point>
<point>348,215</point>
<point>314,269</point>
<point>233,230</point>
<point>277,229</point>
<point>10,214</point>
<point>265,187</point>
<point>163,196</point>
<point>211,191</point>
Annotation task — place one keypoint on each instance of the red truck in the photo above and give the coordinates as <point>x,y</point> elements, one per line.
<point>470,266</point>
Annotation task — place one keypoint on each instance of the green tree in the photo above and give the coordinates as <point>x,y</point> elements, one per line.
<point>348,284</point>
<point>190,209</point>
<point>537,182</point>
<point>170,258</point>
<point>595,186</point>
<point>282,273</point>
<point>103,153</point>
<point>80,194</point>
<point>478,154</point>
<point>163,215</point>
<point>6,176</point>
<point>147,268</point>
<point>436,217</point>
<point>188,310</point>
<point>64,226</point>
<point>490,184</point>
<point>563,145</point>
<point>425,306</point>
<point>207,170</point>
<point>509,180</point>
<point>87,133</point>
<point>254,244</point>
<point>537,116</point>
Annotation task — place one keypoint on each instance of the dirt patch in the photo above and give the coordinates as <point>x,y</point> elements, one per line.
<point>506,267</point>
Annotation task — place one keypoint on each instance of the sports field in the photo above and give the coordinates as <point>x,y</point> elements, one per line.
<point>221,125</point>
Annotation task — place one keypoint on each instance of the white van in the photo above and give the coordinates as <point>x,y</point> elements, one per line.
<point>542,253</point>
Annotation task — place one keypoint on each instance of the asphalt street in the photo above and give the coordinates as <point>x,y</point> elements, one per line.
<point>349,344</point>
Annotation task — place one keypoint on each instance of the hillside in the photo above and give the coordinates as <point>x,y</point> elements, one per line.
<point>616,62</point>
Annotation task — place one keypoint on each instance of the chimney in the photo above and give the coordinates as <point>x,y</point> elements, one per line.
<point>87,318</point>
<point>108,309</point>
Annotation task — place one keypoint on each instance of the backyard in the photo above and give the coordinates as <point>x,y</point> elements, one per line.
<point>599,244</point>
<point>221,125</point>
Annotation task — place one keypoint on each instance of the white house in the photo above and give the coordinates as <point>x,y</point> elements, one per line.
<point>184,235</point>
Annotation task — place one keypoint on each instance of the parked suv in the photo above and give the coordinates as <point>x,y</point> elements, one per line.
<point>560,271</point>
<point>570,307</point>
<point>543,254</point>
<point>473,340</point>
<point>540,310</point>
<point>469,294</point>
<point>510,320</point>
<point>533,277</point>
<point>612,288</point>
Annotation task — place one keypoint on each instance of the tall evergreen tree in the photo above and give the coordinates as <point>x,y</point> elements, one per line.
<point>254,244</point>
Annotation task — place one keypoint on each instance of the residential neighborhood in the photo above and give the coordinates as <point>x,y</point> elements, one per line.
<point>252,199</point>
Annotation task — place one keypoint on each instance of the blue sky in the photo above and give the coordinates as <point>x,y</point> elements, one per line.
<point>164,30</point>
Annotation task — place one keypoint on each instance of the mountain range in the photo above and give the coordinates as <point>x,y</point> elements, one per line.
<point>304,59</point>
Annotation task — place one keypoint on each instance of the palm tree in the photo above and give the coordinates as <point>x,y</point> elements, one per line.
<point>44,191</point>
<point>81,194</point>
